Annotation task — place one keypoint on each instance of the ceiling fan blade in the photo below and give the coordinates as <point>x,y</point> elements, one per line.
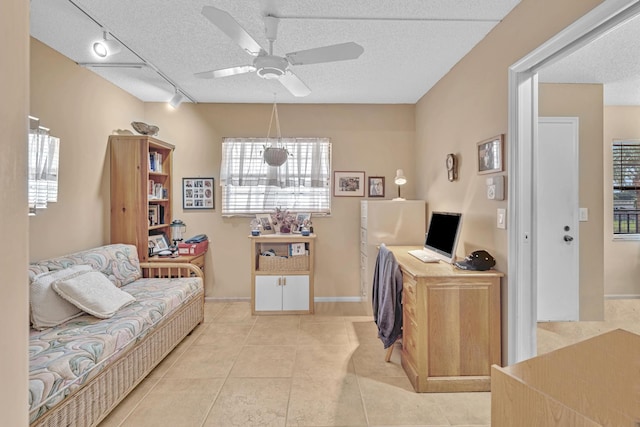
<point>224,72</point>
<point>231,28</point>
<point>336,52</point>
<point>294,85</point>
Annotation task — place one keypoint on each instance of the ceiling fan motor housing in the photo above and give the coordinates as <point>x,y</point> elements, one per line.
<point>270,66</point>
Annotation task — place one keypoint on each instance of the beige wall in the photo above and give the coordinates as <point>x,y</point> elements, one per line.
<point>376,139</point>
<point>14,308</point>
<point>469,105</point>
<point>82,109</point>
<point>622,258</point>
<point>585,102</point>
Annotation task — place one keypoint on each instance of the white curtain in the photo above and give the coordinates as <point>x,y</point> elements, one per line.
<point>250,186</point>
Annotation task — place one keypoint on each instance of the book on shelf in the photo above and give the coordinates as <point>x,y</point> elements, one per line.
<point>150,188</point>
<point>157,191</point>
<point>155,161</point>
<point>297,249</point>
<point>161,214</point>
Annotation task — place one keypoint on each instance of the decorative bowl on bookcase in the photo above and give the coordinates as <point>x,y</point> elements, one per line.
<point>145,129</point>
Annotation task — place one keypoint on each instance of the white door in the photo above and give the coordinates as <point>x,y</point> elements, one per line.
<point>295,293</point>
<point>268,295</point>
<point>557,209</point>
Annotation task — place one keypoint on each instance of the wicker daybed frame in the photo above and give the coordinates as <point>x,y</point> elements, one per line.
<point>92,403</point>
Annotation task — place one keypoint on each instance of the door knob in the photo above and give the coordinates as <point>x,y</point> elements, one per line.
<point>567,238</point>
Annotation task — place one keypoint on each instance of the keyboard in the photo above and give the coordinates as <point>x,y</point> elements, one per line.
<point>422,255</point>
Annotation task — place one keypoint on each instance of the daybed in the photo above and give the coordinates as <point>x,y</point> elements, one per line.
<point>83,367</point>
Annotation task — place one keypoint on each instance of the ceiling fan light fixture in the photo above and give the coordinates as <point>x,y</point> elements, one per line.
<point>270,67</point>
<point>104,48</point>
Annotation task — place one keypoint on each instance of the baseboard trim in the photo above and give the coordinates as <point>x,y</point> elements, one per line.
<point>339,299</point>
<point>622,296</point>
<point>316,299</point>
<point>227,299</point>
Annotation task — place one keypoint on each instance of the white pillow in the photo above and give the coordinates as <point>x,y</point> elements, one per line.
<point>47,308</point>
<point>94,293</point>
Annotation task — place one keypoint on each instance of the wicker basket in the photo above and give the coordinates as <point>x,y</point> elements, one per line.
<point>277,263</point>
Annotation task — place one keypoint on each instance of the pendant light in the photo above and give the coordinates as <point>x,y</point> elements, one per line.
<point>278,155</point>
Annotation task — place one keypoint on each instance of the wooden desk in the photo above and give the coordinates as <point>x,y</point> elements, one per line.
<point>197,260</point>
<point>595,382</point>
<point>451,325</point>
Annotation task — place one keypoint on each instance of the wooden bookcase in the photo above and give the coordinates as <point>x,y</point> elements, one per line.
<point>132,197</point>
<point>282,285</point>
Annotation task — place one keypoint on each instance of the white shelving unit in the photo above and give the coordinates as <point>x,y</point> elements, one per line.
<point>278,284</point>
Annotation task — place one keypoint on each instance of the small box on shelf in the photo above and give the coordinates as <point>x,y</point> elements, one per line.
<point>193,248</point>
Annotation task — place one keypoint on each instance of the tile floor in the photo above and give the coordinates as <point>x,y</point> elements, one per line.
<point>325,369</point>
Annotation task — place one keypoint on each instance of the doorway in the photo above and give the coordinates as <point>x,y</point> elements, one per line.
<point>523,131</point>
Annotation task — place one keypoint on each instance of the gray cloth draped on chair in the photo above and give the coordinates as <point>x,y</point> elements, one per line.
<point>387,297</point>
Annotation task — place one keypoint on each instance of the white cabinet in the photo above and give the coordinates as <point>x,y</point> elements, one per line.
<point>392,222</point>
<point>276,293</point>
<point>282,283</point>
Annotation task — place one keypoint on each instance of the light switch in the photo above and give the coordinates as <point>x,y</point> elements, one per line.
<point>502,218</point>
<point>584,214</point>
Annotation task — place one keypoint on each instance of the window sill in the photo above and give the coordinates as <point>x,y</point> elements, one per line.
<point>625,237</point>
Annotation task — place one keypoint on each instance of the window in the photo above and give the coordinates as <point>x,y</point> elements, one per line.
<point>301,184</point>
<point>42,167</point>
<point>626,186</point>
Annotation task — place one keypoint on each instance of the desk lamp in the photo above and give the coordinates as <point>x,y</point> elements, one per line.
<point>400,180</point>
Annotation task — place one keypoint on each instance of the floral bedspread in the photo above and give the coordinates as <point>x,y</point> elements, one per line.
<point>63,358</point>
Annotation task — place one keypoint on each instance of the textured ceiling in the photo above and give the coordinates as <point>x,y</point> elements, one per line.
<point>613,60</point>
<point>408,45</point>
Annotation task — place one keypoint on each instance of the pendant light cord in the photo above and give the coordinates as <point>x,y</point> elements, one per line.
<point>274,113</point>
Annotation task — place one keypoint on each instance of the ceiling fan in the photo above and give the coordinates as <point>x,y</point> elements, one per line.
<point>266,64</point>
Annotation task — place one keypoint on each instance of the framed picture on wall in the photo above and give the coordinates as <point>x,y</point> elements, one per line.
<point>490,155</point>
<point>349,184</point>
<point>376,186</point>
<point>198,193</point>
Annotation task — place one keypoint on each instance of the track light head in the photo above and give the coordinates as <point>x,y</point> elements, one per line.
<point>104,47</point>
<point>176,100</point>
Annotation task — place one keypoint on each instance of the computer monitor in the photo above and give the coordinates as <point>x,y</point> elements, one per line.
<point>442,235</point>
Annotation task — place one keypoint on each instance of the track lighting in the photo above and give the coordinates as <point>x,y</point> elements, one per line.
<point>104,47</point>
<point>176,100</point>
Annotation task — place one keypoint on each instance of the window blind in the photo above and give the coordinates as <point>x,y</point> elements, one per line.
<point>301,184</point>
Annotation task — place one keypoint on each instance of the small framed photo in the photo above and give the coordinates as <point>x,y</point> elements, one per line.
<point>154,215</point>
<point>348,184</point>
<point>490,155</point>
<point>198,193</point>
<point>158,243</point>
<point>266,223</point>
<point>376,186</point>
<point>302,219</point>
